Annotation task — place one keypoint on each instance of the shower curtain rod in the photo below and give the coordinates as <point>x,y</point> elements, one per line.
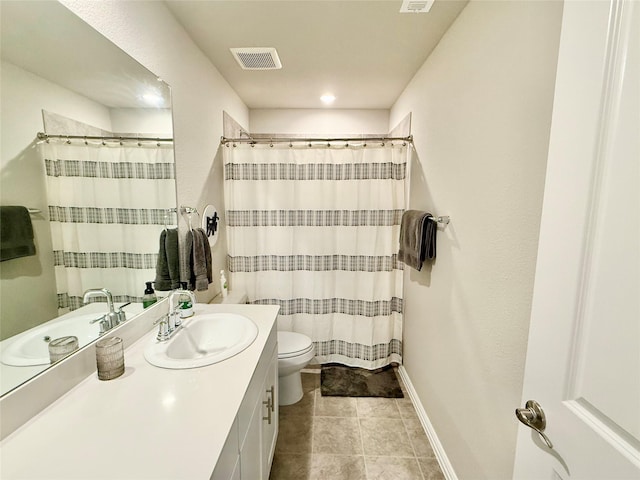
<point>290,140</point>
<point>46,136</point>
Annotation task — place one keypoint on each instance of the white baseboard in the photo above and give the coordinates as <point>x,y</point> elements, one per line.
<point>441,456</point>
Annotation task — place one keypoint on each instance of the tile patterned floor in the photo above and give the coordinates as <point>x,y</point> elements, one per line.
<point>338,438</point>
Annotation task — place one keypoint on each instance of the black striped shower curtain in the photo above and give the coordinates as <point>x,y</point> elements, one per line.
<point>315,230</point>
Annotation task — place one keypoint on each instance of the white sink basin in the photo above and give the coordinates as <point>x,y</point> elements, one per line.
<point>203,340</point>
<point>32,347</point>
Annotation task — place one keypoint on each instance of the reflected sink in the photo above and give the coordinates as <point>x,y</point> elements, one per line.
<point>203,340</point>
<point>32,347</point>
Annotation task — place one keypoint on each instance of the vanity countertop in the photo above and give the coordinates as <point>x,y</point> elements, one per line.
<point>149,423</point>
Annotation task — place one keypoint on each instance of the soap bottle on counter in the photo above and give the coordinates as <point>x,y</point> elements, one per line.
<point>185,306</point>
<point>223,284</point>
<point>149,297</point>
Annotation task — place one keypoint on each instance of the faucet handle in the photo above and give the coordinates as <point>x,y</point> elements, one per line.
<point>163,330</point>
<point>104,324</point>
<point>122,316</point>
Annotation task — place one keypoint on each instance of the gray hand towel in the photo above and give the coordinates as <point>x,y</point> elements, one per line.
<point>207,254</point>
<point>163,279</point>
<point>186,266</point>
<point>16,233</point>
<point>417,238</point>
<point>168,265</point>
<point>173,257</point>
<point>200,268</point>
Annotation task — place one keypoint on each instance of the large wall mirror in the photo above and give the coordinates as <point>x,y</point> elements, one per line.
<point>98,186</point>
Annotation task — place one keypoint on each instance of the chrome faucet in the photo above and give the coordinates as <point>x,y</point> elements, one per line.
<point>109,319</point>
<point>170,323</point>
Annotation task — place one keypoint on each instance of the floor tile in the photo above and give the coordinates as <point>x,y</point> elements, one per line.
<point>430,469</point>
<point>295,434</point>
<point>337,435</point>
<point>406,408</point>
<point>304,407</point>
<point>377,407</point>
<point>337,467</point>
<point>385,436</point>
<point>334,406</point>
<point>418,438</point>
<point>288,466</point>
<point>392,468</point>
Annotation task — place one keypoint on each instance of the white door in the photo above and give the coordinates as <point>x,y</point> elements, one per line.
<point>583,361</point>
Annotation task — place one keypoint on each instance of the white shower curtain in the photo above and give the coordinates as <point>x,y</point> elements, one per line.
<point>107,208</point>
<point>315,230</point>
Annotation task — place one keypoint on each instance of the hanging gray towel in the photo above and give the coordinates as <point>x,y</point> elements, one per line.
<point>16,233</point>
<point>168,265</point>
<point>163,279</point>
<point>417,238</point>
<point>201,259</point>
<point>207,254</point>
<point>186,266</point>
<point>173,257</point>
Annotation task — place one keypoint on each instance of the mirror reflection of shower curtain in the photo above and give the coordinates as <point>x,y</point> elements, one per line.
<point>107,206</point>
<point>315,231</point>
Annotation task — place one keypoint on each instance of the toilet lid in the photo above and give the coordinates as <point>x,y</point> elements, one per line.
<point>291,344</point>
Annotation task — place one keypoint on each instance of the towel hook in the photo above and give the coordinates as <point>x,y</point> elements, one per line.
<point>189,211</point>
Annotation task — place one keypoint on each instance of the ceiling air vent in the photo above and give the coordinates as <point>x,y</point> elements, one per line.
<point>257,58</point>
<point>415,6</point>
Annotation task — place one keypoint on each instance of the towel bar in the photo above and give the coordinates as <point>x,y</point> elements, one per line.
<point>444,219</point>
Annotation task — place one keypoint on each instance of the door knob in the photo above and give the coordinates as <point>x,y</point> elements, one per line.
<point>533,417</point>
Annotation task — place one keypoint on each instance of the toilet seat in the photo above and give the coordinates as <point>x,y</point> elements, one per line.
<point>291,344</point>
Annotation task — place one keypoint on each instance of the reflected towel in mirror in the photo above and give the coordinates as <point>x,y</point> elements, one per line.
<point>16,233</point>
<point>168,265</point>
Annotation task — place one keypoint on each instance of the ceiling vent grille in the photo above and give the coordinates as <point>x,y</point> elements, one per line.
<point>257,58</point>
<point>415,6</point>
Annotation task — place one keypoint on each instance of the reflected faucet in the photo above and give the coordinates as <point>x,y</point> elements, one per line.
<point>109,319</point>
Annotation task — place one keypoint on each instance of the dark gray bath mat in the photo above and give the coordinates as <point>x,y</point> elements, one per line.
<point>341,381</point>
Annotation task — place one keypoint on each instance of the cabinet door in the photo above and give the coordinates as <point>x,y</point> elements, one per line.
<point>250,452</point>
<point>270,417</point>
<point>228,461</point>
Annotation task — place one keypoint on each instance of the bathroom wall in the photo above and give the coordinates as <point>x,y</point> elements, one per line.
<point>24,96</point>
<point>481,112</point>
<point>321,121</point>
<point>148,32</point>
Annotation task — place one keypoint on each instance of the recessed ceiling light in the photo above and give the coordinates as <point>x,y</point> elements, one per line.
<point>153,99</point>
<point>328,98</point>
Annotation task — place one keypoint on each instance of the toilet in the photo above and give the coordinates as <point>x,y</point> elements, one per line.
<point>295,351</point>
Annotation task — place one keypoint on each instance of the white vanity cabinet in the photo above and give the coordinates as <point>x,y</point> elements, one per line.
<point>216,416</point>
<point>250,446</point>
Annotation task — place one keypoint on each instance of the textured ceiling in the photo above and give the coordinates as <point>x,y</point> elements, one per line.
<point>364,52</point>
<point>45,38</point>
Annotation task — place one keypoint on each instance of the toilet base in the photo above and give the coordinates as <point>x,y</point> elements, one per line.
<point>290,388</point>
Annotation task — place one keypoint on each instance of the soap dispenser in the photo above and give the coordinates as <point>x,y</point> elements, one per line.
<point>149,297</point>
<point>185,306</point>
<point>223,284</point>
